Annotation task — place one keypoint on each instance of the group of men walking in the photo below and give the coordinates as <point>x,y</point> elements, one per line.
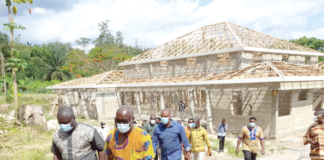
<point>161,138</point>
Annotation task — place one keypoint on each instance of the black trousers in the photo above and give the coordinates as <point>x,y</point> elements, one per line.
<point>156,157</point>
<point>249,155</point>
<point>221,142</point>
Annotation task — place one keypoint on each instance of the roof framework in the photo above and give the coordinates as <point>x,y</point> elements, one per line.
<point>110,77</point>
<point>260,72</point>
<point>217,37</point>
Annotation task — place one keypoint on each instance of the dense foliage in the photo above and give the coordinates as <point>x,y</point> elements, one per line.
<point>314,43</point>
<point>54,62</point>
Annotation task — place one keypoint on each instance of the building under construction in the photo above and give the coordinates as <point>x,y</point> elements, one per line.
<point>218,71</point>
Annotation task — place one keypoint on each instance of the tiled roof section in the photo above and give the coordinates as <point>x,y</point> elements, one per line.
<point>217,37</point>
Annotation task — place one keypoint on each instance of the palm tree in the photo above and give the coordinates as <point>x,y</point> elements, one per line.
<point>53,65</point>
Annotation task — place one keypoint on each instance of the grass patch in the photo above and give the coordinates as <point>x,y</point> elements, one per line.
<point>25,143</point>
<point>231,149</point>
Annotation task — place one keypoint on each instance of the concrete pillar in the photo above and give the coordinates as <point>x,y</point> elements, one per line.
<point>84,104</point>
<point>322,93</point>
<point>274,114</point>
<point>175,67</point>
<point>151,70</point>
<point>119,97</point>
<point>162,105</point>
<point>192,104</point>
<point>138,103</point>
<point>209,117</point>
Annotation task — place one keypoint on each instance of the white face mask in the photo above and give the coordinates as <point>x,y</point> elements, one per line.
<point>152,121</point>
<point>123,128</point>
<point>315,118</point>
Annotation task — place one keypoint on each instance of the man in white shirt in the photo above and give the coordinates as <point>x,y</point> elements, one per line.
<point>103,131</point>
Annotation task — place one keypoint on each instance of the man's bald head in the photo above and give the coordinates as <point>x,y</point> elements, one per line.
<point>65,115</point>
<point>125,110</point>
<point>166,113</point>
<point>65,112</point>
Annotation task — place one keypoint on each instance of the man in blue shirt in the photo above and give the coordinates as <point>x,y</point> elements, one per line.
<point>169,135</point>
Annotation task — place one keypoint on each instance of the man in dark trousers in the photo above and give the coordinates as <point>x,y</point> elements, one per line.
<point>169,135</point>
<point>76,141</point>
<point>222,127</point>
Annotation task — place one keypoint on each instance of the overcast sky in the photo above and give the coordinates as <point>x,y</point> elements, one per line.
<point>154,22</point>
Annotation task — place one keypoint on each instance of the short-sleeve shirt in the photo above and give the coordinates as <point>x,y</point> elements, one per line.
<point>149,128</point>
<point>315,133</point>
<point>137,145</point>
<point>79,144</point>
<point>251,138</point>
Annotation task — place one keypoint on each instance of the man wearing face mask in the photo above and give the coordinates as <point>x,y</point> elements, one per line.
<point>149,127</point>
<point>250,135</point>
<point>198,138</point>
<point>76,141</point>
<point>169,135</point>
<point>126,141</point>
<point>103,131</point>
<point>314,136</point>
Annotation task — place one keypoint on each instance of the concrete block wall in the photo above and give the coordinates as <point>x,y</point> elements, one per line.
<point>301,115</point>
<point>284,103</point>
<point>260,101</point>
<point>107,104</point>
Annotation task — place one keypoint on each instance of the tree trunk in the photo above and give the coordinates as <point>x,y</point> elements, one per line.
<point>3,73</point>
<point>13,71</point>
<point>15,89</point>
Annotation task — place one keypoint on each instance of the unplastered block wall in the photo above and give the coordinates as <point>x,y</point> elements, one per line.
<point>134,71</point>
<point>107,103</point>
<point>313,60</point>
<point>284,103</point>
<point>300,117</point>
<point>258,100</point>
<point>166,70</point>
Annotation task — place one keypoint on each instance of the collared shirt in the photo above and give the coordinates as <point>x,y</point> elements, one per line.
<point>316,134</point>
<point>169,139</point>
<point>222,130</point>
<point>149,128</point>
<point>79,144</point>
<point>250,138</point>
<point>137,145</point>
<point>198,138</point>
<point>103,132</point>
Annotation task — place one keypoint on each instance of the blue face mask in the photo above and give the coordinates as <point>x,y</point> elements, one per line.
<point>192,125</point>
<point>252,125</point>
<point>66,127</point>
<point>165,120</point>
<point>123,128</point>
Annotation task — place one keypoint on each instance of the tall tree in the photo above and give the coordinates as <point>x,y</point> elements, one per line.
<point>4,41</point>
<point>55,59</point>
<point>83,42</point>
<point>105,36</point>
<point>12,26</point>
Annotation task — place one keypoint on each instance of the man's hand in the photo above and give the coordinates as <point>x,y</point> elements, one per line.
<point>311,142</point>
<point>262,152</point>
<point>237,150</point>
<point>209,151</point>
<point>187,157</point>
